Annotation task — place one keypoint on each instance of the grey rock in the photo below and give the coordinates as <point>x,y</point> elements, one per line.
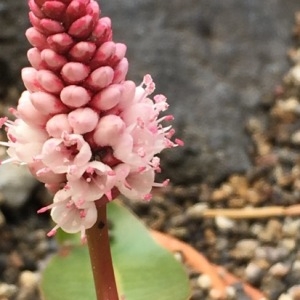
<point>215,60</point>
<point>16,184</point>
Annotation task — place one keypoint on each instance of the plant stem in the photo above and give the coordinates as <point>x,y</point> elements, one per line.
<point>100,256</point>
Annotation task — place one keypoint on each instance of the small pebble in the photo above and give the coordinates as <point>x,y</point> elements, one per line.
<point>253,272</point>
<point>285,297</point>
<point>204,282</point>
<point>196,211</point>
<point>224,223</point>
<point>288,243</point>
<point>28,279</point>
<point>294,292</point>
<point>245,249</point>
<point>279,269</point>
<point>7,290</point>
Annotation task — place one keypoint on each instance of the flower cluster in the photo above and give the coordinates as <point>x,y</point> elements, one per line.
<point>81,127</point>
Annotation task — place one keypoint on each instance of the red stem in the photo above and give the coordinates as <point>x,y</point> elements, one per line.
<point>100,256</point>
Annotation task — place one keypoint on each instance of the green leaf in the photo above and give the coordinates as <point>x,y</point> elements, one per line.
<point>68,275</point>
<point>144,270</point>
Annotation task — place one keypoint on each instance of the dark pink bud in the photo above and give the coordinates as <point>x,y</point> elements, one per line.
<point>29,77</point>
<point>107,98</point>
<point>54,9</point>
<point>119,54</point>
<point>53,60</point>
<point>75,96</point>
<point>74,72</point>
<point>66,1</point>
<point>74,11</point>
<point>100,78</point>
<point>50,27</point>
<point>35,21</point>
<point>121,71</point>
<point>102,31</point>
<point>49,81</point>
<point>82,51</point>
<point>60,42</point>
<point>47,103</point>
<point>82,27</point>
<point>36,39</point>
<point>93,9</point>
<point>40,2</point>
<point>103,53</point>
<point>34,57</point>
<point>35,9</point>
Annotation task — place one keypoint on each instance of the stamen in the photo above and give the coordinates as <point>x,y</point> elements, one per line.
<point>3,121</point>
<point>147,197</point>
<point>109,195</point>
<point>163,184</point>
<point>82,213</point>
<point>6,144</point>
<point>179,142</point>
<point>83,235</point>
<point>53,231</point>
<point>45,208</point>
<point>6,161</point>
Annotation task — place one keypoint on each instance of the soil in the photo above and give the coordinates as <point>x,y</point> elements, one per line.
<point>263,251</point>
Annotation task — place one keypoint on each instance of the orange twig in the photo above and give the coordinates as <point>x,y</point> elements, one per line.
<point>253,212</point>
<point>220,278</point>
<point>192,258</point>
<point>230,279</point>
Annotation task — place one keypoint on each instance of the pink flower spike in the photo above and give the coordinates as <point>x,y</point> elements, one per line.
<point>81,128</point>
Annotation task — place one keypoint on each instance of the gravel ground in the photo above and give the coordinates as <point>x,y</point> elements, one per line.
<point>264,252</point>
